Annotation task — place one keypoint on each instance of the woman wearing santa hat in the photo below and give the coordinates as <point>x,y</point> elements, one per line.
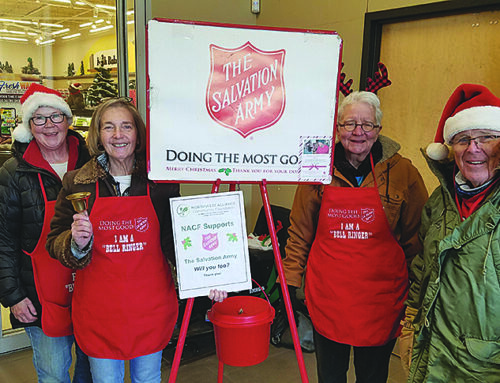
<point>454,302</point>
<point>35,287</point>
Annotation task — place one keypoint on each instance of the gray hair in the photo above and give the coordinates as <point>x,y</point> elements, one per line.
<point>362,96</point>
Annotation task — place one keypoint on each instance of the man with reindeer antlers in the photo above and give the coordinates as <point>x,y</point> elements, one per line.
<point>357,237</point>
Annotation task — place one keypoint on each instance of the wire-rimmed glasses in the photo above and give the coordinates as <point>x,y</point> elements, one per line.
<point>351,125</point>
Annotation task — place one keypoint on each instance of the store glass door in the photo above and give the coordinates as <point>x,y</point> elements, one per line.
<point>69,46</point>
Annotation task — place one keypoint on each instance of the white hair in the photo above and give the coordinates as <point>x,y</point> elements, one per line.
<point>359,97</point>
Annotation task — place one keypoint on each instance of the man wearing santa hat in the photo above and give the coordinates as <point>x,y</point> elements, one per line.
<point>453,312</point>
<point>35,287</point>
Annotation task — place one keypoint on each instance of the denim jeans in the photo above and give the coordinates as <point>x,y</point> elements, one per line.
<point>82,367</point>
<point>143,369</point>
<point>52,358</point>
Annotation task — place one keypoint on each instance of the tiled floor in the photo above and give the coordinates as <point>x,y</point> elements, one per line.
<point>280,367</point>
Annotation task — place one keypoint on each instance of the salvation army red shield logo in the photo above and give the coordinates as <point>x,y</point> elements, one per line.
<point>210,241</point>
<point>141,224</point>
<point>245,90</point>
<point>367,215</point>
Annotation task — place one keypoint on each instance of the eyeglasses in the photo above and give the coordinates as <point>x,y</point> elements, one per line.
<point>351,125</point>
<point>480,140</point>
<point>56,118</point>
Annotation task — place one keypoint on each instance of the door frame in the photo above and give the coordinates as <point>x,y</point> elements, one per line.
<point>374,22</point>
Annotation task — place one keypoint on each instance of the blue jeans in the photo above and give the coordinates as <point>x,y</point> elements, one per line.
<point>82,367</point>
<point>143,369</point>
<point>52,358</point>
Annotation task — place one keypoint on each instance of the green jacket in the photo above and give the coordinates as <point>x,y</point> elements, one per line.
<point>457,289</point>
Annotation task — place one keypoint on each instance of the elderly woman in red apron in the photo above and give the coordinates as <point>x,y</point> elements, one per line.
<point>35,287</point>
<point>124,303</point>
<point>357,236</point>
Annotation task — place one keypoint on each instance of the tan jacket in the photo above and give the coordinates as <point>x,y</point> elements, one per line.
<point>403,195</point>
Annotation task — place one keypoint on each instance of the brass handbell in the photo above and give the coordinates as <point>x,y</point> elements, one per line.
<point>79,201</point>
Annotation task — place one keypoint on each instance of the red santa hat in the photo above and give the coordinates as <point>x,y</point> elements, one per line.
<point>471,106</point>
<point>75,87</point>
<point>35,97</point>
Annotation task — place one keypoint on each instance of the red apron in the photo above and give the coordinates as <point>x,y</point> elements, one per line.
<point>357,279</point>
<point>53,281</point>
<point>125,304</point>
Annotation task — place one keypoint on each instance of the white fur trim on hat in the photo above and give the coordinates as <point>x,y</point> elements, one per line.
<point>22,132</point>
<point>478,117</point>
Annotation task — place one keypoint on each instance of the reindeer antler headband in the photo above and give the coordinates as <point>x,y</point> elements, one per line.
<point>379,81</point>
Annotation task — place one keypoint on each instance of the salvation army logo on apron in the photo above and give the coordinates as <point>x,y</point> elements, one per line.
<point>245,90</point>
<point>141,224</point>
<point>367,215</point>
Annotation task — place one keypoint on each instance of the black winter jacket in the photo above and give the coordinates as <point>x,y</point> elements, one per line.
<point>22,210</point>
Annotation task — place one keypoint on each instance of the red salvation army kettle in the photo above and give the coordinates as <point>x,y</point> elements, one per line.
<point>242,326</point>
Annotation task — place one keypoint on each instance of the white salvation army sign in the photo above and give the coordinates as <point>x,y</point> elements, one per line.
<point>241,103</point>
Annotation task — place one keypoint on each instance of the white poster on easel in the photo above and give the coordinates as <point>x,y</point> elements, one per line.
<point>211,245</point>
<point>240,103</point>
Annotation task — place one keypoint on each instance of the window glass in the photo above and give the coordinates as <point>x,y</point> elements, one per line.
<point>67,45</point>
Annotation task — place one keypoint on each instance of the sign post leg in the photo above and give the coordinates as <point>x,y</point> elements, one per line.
<point>180,342</point>
<point>220,372</point>
<point>284,288</point>
<point>185,322</point>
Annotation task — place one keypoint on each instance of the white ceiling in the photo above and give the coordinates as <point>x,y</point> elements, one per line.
<point>70,14</point>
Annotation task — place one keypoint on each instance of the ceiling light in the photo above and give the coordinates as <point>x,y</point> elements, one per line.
<point>130,22</point>
<point>99,21</point>
<point>130,13</point>
<point>47,41</point>
<point>62,1</point>
<point>60,31</point>
<point>15,21</point>
<point>101,29</point>
<point>52,25</point>
<point>85,25</point>
<point>80,3</point>
<point>32,34</point>
<point>71,36</point>
<point>13,32</point>
<point>105,7</point>
<point>13,38</point>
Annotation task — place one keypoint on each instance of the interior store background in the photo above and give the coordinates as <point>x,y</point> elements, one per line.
<point>429,47</point>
